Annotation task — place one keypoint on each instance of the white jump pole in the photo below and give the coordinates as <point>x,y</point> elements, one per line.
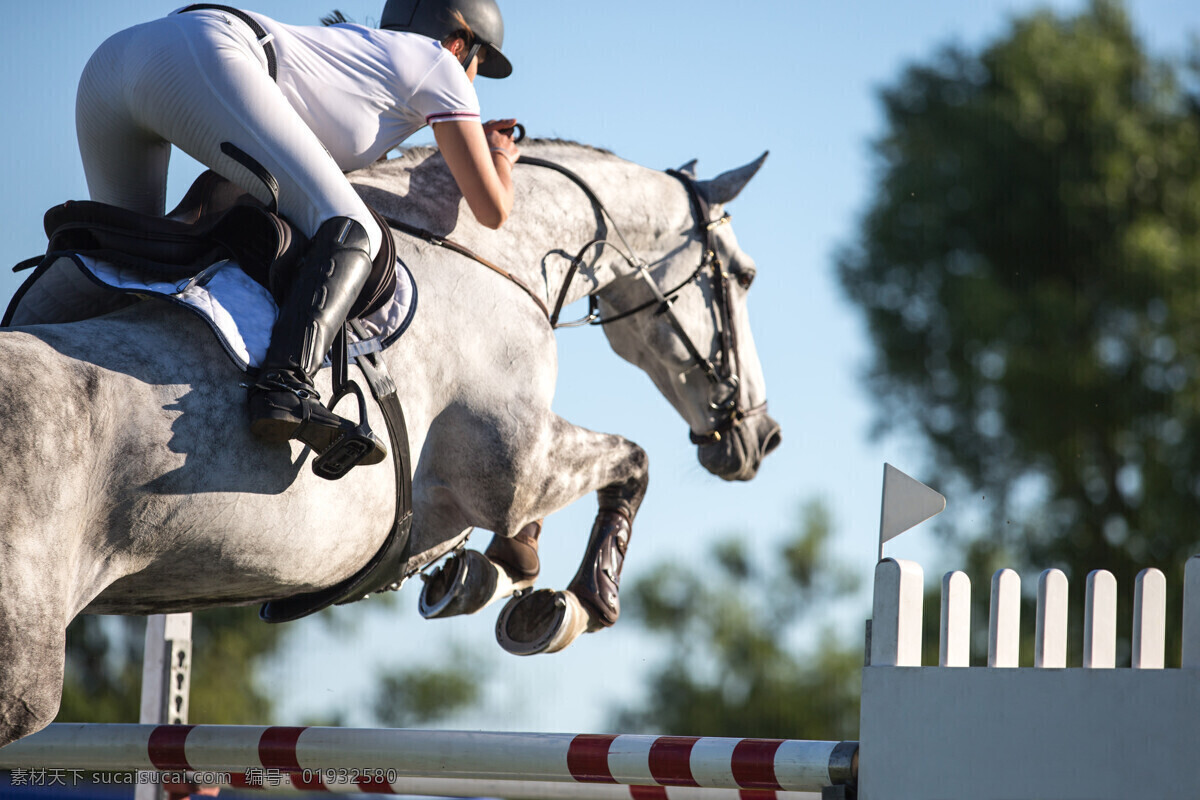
<point>313,753</point>
<point>526,790</point>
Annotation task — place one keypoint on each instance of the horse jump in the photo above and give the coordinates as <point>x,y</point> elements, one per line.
<point>1004,731</point>
<point>526,790</point>
<point>320,755</point>
<point>930,732</point>
<point>999,731</point>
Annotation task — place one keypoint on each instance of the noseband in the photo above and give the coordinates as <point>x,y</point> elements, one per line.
<point>726,386</point>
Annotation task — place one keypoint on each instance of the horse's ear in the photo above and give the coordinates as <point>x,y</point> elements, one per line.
<point>729,185</point>
<point>689,169</point>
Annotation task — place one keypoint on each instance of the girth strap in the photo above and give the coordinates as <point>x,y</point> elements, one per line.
<point>384,570</point>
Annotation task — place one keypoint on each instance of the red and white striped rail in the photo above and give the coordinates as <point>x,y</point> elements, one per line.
<point>312,753</point>
<point>526,790</point>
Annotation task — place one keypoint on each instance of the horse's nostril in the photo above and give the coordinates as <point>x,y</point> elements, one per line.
<point>772,440</point>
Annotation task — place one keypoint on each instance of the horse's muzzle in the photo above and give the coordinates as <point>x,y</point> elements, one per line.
<point>738,454</point>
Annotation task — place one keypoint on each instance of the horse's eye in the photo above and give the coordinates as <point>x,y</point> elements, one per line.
<point>744,279</point>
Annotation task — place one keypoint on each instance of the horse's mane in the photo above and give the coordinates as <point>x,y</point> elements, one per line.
<point>415,185</point>
<point>418,153</point>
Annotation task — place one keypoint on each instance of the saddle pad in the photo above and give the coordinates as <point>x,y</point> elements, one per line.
<point>72,287</point>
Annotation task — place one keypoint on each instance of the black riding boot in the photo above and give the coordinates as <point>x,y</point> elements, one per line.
<point>283,403</point>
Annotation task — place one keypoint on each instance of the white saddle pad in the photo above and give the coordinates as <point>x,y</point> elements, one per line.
<point>240,311</point>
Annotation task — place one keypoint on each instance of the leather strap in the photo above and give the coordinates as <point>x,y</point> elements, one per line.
<point>449,244</point>
<point>260,33</point>
<point>384,570</point>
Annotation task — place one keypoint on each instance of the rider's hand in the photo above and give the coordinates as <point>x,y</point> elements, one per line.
<point>499,134</point>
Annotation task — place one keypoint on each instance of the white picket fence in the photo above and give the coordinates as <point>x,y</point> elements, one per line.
<point>1084,733</point>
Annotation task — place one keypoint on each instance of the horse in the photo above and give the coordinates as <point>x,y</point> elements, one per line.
<point>133,486</point>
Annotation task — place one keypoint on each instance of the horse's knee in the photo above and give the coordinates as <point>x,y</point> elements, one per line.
<point>32,657</point>
<point>19,717</point>
<point>30,691</point>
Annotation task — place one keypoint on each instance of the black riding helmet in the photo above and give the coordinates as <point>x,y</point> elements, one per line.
<point>435,19</point>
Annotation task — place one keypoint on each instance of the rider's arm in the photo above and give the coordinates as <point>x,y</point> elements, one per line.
<point>481,162</point>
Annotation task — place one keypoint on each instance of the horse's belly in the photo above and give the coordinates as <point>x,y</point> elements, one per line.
<point>287,533</point>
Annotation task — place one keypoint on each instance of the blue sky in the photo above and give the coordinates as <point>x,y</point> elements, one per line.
<point>658,83</point>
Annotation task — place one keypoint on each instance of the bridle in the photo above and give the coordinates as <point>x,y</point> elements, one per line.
<point>725,400</point>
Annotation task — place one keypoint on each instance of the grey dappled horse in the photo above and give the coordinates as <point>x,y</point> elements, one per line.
<point>131,484</point>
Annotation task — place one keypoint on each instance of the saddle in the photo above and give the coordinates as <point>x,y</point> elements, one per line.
<point>214,221</point>
<point>217,221</point>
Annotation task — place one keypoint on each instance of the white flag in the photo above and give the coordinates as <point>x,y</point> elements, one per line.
<point>906,502</point>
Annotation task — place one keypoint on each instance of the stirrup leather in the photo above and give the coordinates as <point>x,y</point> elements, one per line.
<point>358,444</point>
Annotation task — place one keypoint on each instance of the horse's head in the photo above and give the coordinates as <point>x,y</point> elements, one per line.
<point>691,333</point>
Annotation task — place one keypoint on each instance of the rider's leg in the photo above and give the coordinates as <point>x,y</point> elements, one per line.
<point>283,403</point>
<point>199,80</point>
<point>124,161</point>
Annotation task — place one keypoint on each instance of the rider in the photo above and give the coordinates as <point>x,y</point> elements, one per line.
<point>283,111</point>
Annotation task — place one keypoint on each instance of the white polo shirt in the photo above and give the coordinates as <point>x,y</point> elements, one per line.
<point>363,90</point>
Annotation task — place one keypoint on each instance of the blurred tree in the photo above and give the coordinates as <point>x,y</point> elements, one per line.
<point>104,668</point>
<point>421,695</point>
<point>734,664</point>
<point>1030,274</point>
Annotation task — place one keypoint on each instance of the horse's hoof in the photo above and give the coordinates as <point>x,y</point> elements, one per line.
<point>544,621</point>
<point>466,583</point>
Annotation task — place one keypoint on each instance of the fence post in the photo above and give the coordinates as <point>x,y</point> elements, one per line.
<point>896,614</point>
<point>1100,621</point>
<point>1004,619</point>
<point>166,679</point>
<point>1191,613</point>
<point>955,641</point>
<point>1050,629</point>
<point>1149,620</point>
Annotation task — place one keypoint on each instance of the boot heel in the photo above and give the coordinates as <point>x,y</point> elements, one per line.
<point>273,431</point>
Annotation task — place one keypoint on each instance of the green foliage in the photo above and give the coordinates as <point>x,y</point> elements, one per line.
<point>421,695</point>
<point>104,668</point>
<point>1030,274</point>
<point>730,631</point>
<point>103,673</point>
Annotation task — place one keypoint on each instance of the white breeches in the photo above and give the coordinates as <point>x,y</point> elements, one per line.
<point>196,80</point>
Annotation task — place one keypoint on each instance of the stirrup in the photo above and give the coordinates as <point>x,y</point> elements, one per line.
<point>357,445</point>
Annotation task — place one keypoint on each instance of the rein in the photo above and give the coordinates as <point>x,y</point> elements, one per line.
<point>728,408</point>
<point>450,244</point>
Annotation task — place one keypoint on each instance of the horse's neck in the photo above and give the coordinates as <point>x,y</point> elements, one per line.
<point>553,218</point>
<point>640,203</point>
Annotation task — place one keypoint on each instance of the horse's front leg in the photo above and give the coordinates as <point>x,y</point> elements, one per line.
<point>617,470</point>
<point>552,464</point>
<point>596,583</point>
